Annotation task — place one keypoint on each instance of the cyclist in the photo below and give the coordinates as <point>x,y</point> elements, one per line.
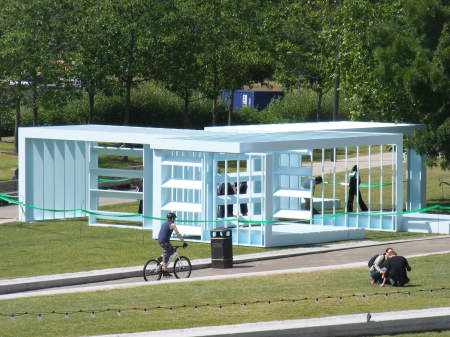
<point>165,232</point>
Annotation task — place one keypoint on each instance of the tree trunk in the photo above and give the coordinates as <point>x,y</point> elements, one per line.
<point>213,112</point>
<point>126,118</point>
<point>91,98</point>
<point>186,117</point>
<point>215,94</point>
<point>319,104</point>
<point>336,98</point>
<point>16,125</point>
<point>230,108</point>
<point>34,103</point>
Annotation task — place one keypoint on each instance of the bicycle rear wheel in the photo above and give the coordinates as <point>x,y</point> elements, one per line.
<point>182,267</point>
<point>152,270</point>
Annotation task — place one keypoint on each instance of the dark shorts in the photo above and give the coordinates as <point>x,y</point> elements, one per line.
<point>167,251</point>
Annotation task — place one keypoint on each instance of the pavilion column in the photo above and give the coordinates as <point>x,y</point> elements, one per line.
<point>25,169</point>
<point>209,192</point>
<point>156,190</point>
<point>268,207</point>
<point>399,184</point>
<point>147,187</point>
<point>93,183</point>
<point>416,185</point>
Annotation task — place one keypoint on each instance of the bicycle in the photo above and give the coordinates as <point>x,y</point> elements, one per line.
<point>181,267</point>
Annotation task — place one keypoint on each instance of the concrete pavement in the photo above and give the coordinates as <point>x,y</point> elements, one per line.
<point>8,214</point>
<point>381,323</point>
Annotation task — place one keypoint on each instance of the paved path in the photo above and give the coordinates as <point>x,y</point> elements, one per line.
<point>363,163</point>
<point>355,257</point>
<point>8,214</point>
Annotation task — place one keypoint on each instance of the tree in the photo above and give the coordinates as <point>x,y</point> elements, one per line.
<point>127,22</point>
<point>87,55</point>
<point>304,50</point>
<point>28,48</point>
<point>402,72</point>
<point>172,58</point>
<point>227,51</point>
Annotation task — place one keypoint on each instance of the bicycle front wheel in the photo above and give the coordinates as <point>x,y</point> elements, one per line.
<point>182,267</point>
<point>152,270</point>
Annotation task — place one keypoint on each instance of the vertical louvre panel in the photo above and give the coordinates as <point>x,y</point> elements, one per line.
<point>93,183</point>
<point>69,178</point>
<point>37,179</point>
<point>29,173</point>
<point>147,186</point>
<point>80,177</point>
<point>59,177</point>
<point>49,178</point>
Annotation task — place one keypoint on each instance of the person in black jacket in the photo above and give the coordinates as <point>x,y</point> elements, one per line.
<point>396,268</point>
<point>242,190</point>
<point>353,190</point>
<point>221,208</point>
<point>139,189</point>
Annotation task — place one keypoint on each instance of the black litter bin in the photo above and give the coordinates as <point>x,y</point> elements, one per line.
<point>221,248</point>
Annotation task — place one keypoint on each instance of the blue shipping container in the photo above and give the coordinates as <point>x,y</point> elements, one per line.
<point>255,99</point>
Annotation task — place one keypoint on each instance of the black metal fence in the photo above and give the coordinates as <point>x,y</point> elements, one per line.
<point>6,123</point>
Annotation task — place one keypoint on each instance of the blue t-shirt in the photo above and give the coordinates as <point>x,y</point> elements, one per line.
<point>165,232</point>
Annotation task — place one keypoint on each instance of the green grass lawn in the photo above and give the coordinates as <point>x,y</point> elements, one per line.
<point>62,246</point>
<point>71,245</point>
<point>8,163</point>
<point>423,334</point>
<point>108,161</point>
<point>438,193</point>
<point>221,302</point>
<point>7,144</point>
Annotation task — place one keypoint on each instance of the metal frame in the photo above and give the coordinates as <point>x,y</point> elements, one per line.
<point>48,152</point>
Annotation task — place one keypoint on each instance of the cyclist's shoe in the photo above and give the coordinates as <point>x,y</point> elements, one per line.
<point>159,259</point>
<point>185,244</point>
<point>166,274</point>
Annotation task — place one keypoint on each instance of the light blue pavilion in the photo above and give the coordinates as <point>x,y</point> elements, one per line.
<point>182,172</point>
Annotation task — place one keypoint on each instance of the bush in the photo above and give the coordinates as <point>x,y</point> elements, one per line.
<point>153,105</point>
<point>291,108</point>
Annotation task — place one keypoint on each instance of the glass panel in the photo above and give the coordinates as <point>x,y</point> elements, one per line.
<point>257,164</point>
<point>257,186</point>
<point>257,208</point>
<point>284,160</point>
<point>284,181</point>
<point>293,182</point>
